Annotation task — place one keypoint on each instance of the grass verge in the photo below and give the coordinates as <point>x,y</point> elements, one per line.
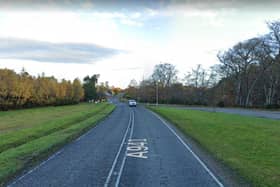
<point>248,145</point>
<point>21,135</point>
<point>15,159</point>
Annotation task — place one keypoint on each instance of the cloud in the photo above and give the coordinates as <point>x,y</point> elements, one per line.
<point>99,5</point>
<point>130,22</point>
<point>214,18</point>
<point>23,49</point>
<point>130,19</point>
<point>151,12</point>
<point>214,4</point>
<point>129,68</point>
<point>133,5</point>
<point>136,15</point>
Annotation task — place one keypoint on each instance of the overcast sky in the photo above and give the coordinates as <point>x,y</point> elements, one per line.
<point>123,41</point>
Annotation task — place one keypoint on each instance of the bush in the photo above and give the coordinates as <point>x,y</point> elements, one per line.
<point>273,106</point>
<point>221,104</point>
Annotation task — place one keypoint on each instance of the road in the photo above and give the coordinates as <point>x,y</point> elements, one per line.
<point>131,147</point>
<point>239,111</point>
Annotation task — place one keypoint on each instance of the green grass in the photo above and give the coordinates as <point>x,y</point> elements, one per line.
<point>26,144</point>
<point>29,118</point>
<point>248,145</point>
<point>31,124</point>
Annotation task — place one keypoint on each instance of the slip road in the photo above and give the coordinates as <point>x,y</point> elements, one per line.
<point>132,147</point>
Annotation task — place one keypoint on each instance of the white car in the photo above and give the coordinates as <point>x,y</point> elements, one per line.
<point>132,103</point>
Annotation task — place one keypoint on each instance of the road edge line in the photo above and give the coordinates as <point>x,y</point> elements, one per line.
<point>190,150</point>
<point>59,150</point>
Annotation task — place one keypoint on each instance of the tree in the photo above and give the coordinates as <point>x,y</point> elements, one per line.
<point>252,66</point>
<point>90,87</point>
<point>8,84</point>
<point>200,77</point>
<point>165,74</point>
<point>78,91</point>
<point>133,83</point>
<point>237,62</point>
<point>116,90</point>
<point>22,90</point>
<point>272,78</point>
<point>102,90</point>
<point>248,75</point>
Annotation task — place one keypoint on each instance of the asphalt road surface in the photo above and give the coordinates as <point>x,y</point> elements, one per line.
<point>131,147</point>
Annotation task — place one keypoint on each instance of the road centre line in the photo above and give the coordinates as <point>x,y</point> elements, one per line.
<point>124,158</point>
<point>118,153</point>
<point>190,150</point>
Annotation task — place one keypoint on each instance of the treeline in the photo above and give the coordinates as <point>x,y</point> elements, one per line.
<point>21,90</point>
<point>164,86</point>
<point>94,92</point>
<point>250,71</point>
<point>248,75</point>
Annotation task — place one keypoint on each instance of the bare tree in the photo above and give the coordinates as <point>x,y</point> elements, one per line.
<point>133,83</point>
<point>272,77</point>
<point>237,62</point>
<point>165,73</point>
<point>200,77</point>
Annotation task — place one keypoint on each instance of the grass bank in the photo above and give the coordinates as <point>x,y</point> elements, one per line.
<point>28,136</point>
<point>250,146</point>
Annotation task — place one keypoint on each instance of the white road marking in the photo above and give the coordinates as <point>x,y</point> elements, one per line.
<point>118,153</point>
<point>78,139</point>
<point>190,150</point>
<point>139,154</point>
<point>124,158</point>
<point>136,140</point>
<point>134,148</point>
<point>44,162</point>
<point>137,148</point>
<point>35,168</point>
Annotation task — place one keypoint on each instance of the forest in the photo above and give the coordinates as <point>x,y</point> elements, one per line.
<point>247,75</point>
<point>21,90</point>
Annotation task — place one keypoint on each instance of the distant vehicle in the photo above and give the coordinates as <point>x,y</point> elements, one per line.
<point>132,103</point>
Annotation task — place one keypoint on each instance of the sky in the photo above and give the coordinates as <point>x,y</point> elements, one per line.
<point>124,40</point>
